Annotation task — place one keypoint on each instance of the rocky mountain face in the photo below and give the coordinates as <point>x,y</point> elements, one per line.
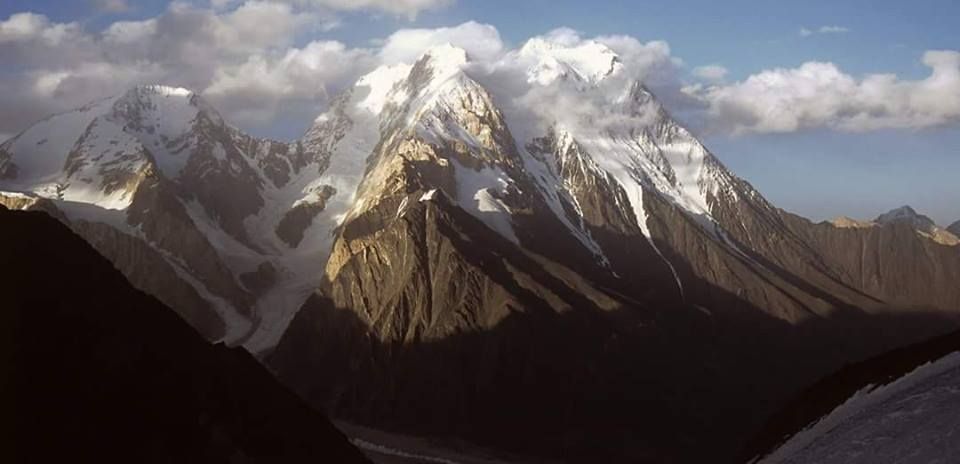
<point>922,224</point>
<point>571,286</point>
<point>530,253</point>
<point>901,258</point>
<point>94,370</point>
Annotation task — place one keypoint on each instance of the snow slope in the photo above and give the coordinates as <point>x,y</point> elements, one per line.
<point>915,419</point>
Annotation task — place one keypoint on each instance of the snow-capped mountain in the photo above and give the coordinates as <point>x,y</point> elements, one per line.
<point>469,236</point>
<point>954,228</point>
<point>923,224</point>
<point>190,208</point>
<point>542,229</point>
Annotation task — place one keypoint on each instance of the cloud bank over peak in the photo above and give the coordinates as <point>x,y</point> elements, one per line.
<point>481,41</point>
<point>255,61</point>
<point>405,8</point>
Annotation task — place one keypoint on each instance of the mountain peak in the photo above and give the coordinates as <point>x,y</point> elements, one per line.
<point>448,54</point>
<point>444,60</point>
<point>588,61</point>
<point>923,224</point>
<point>955,228</point>
<point>150,94</point>
<point>379,83</point>
<point>163,90</point>
<point>903,213</point>
<point>177,105</point>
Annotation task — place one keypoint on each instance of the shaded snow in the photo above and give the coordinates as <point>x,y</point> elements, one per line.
<point>476,194</point>
<point>915,419</point>
<point>40,152</point>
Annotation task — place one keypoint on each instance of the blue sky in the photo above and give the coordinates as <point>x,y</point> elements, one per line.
<point>819,169</point>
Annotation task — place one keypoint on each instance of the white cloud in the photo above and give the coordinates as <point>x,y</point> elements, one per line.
<point>408,8</point>
<point>804,32</point>
<point>710,72</point>
<point>587,90</point>
<point>31,27</point>
<point>112,6</point>
<point>243,56</point>
<point>63,66</point>
<point>649,61</point>
<point>820,95</point>
<point>833,30</point>
<point>257,90</point>
<point>481,41</point>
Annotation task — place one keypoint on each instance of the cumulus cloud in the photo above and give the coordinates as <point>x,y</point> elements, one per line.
<point>62,65</point>
<point>481,41</point>
<point>408,8</point>
<point>588,91</point>
<point>710,72</point>
<point>820,95</point>
<point>111,6</point>
<point>259,89</point>
<point>650,61</point>
<point>243,55</point>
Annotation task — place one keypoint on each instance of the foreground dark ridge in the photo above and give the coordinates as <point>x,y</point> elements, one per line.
<point>96,371</point>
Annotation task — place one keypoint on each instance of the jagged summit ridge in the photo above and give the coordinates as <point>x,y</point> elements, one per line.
<point>955,228</point>
<point>923,224</point>
<point>586,63</point>
<point>904,213</point>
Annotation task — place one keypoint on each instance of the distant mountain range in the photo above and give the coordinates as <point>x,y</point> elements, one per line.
<point>433,257</point>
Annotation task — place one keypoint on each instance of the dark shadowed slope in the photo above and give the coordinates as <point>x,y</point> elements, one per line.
<point>93,370</point>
